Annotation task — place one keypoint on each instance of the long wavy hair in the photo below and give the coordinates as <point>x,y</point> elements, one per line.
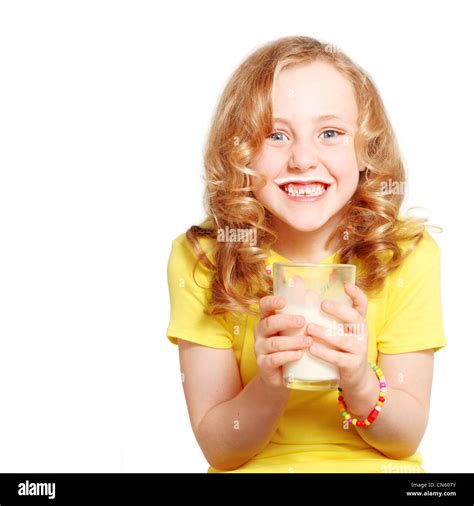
<point>370,229</point>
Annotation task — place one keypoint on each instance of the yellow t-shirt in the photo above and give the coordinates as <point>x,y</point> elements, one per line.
<point>406,316</point>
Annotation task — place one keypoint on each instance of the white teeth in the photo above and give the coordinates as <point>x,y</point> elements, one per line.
<point>315,189</point>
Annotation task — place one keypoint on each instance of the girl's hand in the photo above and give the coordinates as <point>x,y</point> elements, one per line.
<point>350,339</point>
<point>271,349</point>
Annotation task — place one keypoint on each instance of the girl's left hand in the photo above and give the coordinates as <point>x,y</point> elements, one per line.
<point>350,338</point>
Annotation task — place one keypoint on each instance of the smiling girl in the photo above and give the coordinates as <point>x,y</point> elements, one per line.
<point>301,152</point>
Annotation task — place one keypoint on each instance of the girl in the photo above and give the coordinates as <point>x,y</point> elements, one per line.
<point>301,157</point>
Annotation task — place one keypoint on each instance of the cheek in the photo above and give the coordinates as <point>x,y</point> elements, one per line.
<point>343,166</point>
<point>270,162</point>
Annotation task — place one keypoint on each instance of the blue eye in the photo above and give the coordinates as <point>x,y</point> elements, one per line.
<point>271,136</point>
<point>333,134</point>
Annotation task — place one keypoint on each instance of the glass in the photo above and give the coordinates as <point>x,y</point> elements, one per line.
<point>304,287</point>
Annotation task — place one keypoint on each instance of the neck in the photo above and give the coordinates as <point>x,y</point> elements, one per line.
<point>305,247</point>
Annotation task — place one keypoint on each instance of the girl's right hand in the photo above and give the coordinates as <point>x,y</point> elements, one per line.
<point>273,350</point>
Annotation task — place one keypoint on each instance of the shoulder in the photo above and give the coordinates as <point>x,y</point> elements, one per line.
<point>190,290</point>
<point>183,259</point>
<point>419,267</point>
<point>424,254</point>
<point>182,248</point>
<point>412,315</point>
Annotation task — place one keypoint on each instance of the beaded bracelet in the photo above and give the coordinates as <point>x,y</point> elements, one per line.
<point>378,407</point>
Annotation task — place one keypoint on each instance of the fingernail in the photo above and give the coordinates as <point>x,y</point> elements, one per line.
<point>309,340</point>
<point>313,347</point>
<point>311,327</point>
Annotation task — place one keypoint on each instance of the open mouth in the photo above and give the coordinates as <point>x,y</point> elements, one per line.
<point>305,190</point>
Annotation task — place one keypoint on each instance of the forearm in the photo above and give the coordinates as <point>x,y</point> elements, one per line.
<point>400,426</point>
<point>233,432</point>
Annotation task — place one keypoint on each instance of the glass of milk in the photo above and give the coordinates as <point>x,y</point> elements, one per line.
<point>304,287</point>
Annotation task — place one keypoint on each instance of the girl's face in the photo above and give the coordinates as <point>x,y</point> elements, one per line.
<point>315,115</point>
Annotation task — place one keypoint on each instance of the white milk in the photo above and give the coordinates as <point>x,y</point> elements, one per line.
<point>304,297</point>
<point>316,373</point>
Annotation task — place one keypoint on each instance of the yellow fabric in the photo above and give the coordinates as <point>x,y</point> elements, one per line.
<point>405,316</point>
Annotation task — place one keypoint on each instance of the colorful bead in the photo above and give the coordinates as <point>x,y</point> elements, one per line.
<point>377,408</point>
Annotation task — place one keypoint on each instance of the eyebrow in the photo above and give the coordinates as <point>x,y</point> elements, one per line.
<point>323,117</point>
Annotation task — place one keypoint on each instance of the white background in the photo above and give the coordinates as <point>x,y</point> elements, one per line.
<point>104,109</point>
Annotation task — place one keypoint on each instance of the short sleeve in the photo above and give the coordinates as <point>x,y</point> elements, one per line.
<point>414,319</point>
<point>188,299</point>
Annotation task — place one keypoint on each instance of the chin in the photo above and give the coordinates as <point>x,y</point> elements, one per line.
<point>310,225</point>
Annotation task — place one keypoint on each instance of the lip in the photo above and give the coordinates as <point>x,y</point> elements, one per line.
<point>306,198</point>
<point>287,180</point>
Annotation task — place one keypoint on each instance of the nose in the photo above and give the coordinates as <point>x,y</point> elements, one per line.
<point>303,155</point>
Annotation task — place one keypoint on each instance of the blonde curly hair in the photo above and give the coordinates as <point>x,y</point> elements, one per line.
<point>370,227</point>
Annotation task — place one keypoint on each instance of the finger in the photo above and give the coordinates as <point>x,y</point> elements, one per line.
<point>269,304</point>
<point>334,336</point>
<point>283,343</point>
<point>359,298</point>
<point>275,323</point>
<point>335,357</point>
<point>356,330</point>
<point>280,358</point>
<point>341,311</point>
